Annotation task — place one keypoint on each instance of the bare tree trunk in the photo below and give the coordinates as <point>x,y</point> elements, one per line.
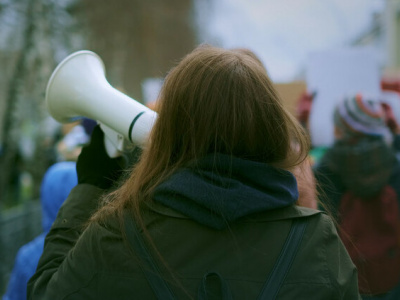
<point>9,153</point>
<point>47,37</point>
<point>139,39</point>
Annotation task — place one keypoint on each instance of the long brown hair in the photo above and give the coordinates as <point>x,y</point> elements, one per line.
<point>213,101</point>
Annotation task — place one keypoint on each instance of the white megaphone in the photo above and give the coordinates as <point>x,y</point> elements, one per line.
<point>78,88</point>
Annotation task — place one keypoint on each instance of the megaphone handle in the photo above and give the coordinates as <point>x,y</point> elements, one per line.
<point>113,141</point>
<point>111,150</point>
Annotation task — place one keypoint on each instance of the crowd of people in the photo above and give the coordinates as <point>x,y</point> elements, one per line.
<point>224,201</point>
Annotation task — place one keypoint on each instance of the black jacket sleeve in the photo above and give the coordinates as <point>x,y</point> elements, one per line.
<point>67,228</point>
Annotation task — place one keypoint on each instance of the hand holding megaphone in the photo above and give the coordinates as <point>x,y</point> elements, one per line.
<point>95,167</point>
<point>78,88</point>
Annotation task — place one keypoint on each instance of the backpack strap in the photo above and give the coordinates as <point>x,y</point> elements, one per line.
<point>270,289</point>
<point>285,260</point>
<point>148,265</point>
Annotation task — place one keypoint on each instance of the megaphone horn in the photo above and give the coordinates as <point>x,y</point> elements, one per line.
<point>78,88</point>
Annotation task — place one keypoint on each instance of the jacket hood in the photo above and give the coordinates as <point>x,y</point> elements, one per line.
<point>363,167</point>
<point>56,185</point>
<point>220,189</point>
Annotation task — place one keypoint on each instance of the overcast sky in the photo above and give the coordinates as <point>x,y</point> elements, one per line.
<point>284,32</point>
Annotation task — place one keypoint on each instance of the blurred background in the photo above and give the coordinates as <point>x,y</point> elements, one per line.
<point>139,41</point>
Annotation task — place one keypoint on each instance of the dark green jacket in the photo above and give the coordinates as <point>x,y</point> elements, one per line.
<point>97,264</point>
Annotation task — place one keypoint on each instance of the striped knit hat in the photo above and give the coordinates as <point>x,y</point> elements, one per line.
<point>360,116</point>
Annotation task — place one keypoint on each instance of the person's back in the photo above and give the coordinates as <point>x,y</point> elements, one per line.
<point>359,179</point>
<point>56,185</point>
<point>208,207</point>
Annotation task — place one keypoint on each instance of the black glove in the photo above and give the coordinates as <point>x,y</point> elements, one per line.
<point>95,167</point>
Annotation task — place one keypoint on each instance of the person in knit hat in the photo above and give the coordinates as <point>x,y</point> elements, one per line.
<point>56,185</point>
<point>359,116</point>
<point>361,161</point>
<point>360,155</point>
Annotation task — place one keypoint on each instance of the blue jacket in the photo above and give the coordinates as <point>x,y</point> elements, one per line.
<point>57,183</point>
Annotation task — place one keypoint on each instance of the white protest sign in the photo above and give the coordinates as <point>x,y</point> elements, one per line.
<point>332,75</point>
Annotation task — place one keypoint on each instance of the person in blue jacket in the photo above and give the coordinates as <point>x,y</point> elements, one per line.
<point>56,185</point>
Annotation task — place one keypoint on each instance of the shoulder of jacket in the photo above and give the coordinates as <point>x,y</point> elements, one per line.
<point>325,219</point>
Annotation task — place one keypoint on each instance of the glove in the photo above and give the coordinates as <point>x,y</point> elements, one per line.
<point>390,119</point>
<point>95,167</point>
<point>304,104</point>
